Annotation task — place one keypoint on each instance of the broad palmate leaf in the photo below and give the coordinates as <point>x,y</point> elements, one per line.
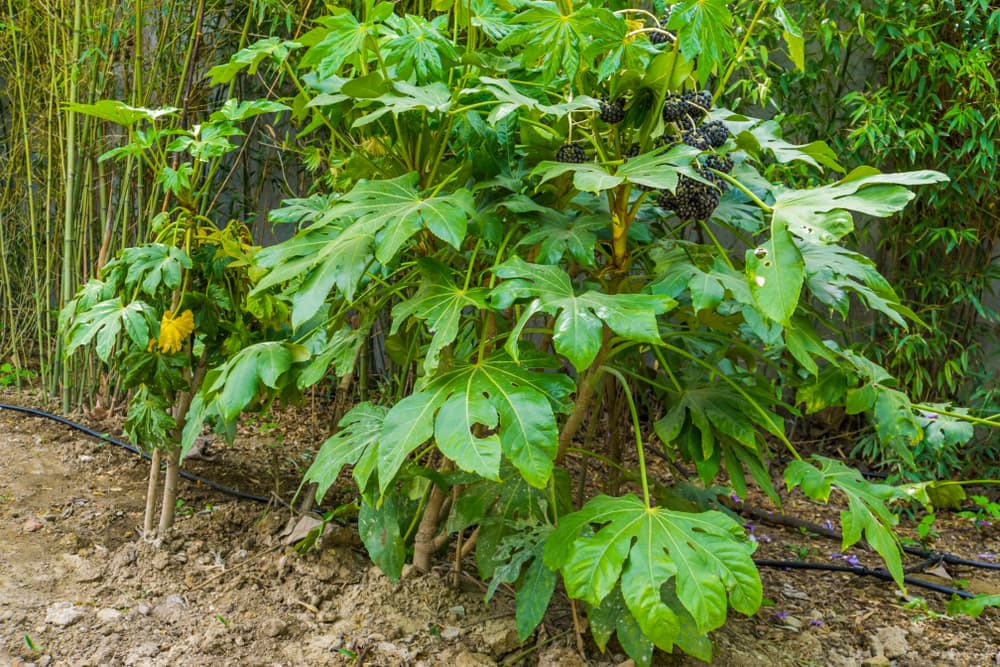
<point>866,505</point>
<point>580,322</point>
<point>238,380</point>
<point>706,556</point>
<point>821,214</point>
<point>439,302</point>
<point>776,269</point>
<point>376,218</point>
<point>834,273</point>
<point>658,169</point>
<point>153,264</point>
<point>477,411</point>
<point>359,430</point>
<point>104,321</point>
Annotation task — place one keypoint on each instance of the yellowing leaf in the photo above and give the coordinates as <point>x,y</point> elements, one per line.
<point>173,331</point>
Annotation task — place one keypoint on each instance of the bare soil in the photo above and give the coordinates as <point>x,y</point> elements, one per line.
<point>79,586</point>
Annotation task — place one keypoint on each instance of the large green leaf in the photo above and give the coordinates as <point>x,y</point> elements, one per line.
<point>895,423</point>
<point>658,169</point>
<point>118,112</point>
<point>374,217</point>
<point>336,40</point>
<point>359,430</point>
<point>104,321</point>
<point>533,596</point>
<point>558,233</point>
<point>834,273</point>
<point>755,137</point>
<point>240,377</point>
<point>434,97</point>
<point>578,327</point>
<point>704,32</point>
<point>420,48</point>
<point>439,302</point>
<point>250,58</point>
<point>706,555</point>
<point>775,272</point>
<point>155,265</point>
<point>340,352</point>
<point>510,99</point>
<point>821,215</point>
<point>613,616</point>
<point>497,395</point>
<point>555,40</point>
<point>866,511</point>
<point>380,527</point>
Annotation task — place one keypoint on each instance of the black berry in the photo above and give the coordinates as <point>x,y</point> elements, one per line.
<point>697,104</point>
<point>722,163</point>
<point>716,132</point>
<point>697,139</point>
<point>612,112</point>
<point>674,108</point>
<point>571,153</point>
<point>695,200</point>
<point>666,201</point>
<point>663,35</point>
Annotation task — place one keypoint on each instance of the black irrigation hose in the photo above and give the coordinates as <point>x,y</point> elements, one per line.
<point>860,570</point>
<point>124,445</point>
<point>937,556</point>
<point>950,559</point>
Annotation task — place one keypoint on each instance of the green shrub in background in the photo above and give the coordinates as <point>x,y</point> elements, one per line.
<point>905,84</point>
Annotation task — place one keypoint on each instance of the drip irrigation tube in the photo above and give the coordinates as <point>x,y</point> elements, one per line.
<point>860,570</point>
<point>783,520</point>
<point>135,450</point>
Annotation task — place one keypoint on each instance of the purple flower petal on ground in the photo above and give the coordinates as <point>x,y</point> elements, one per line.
<point>828,524</point>
<point>986,556</point>
<point>764,538</point>
<point>735,498</point>
<point>748,526</point>
<point>836,555</point>
<point>780,614</point>
<point>816,623</point>
<point>853,560</point>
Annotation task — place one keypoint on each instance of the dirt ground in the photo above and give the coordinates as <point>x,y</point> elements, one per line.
<point>78,585</point>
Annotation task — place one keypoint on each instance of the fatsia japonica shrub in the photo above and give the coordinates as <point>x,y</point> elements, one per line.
<point>563,245</point>
<point>162,314</point>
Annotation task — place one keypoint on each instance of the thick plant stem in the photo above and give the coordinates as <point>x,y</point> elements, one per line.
<point>154,485</point>
<point>168,510</point>
<point>425,543</point>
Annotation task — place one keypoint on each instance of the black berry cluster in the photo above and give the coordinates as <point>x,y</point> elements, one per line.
<point>691,200</point>
<point>663,35</point>
<point>715,132</point>
<point>571,153</point>
<point>612,112</point>
<point>686,109</point>
<point>674,108</point>
<point>698,103</point>
<point>697,139</point>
